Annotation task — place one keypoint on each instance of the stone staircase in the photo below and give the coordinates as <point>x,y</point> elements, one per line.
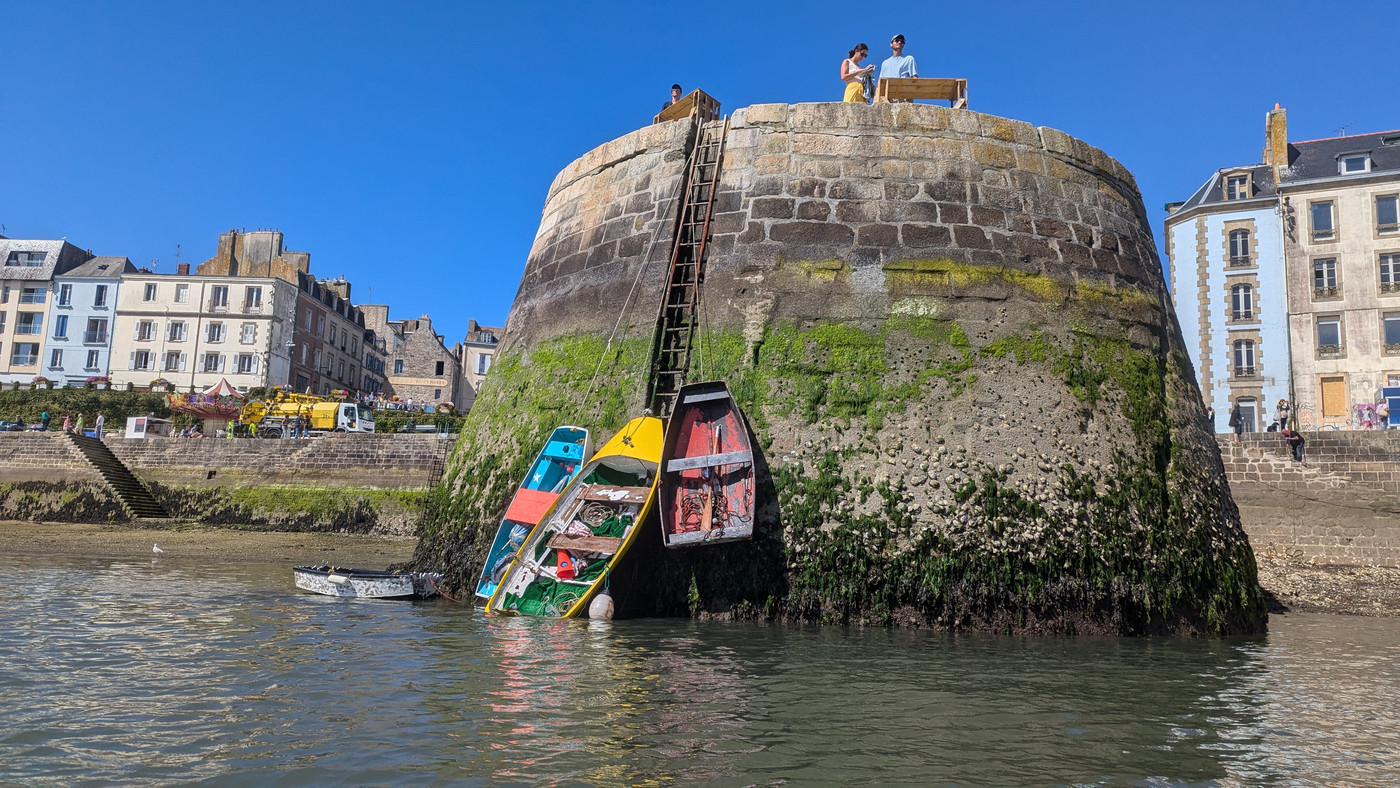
<point>134,497</point>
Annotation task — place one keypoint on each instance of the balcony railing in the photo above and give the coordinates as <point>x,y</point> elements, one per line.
<point>1324,235</point>
<point>1329,351</point>
<point>1241,262</point>
<point>1238,315</point>
<point>32,298</point>
<point>218,306</point>
<point>29,328</point>
<point>1392,349</point>
<point>95,337</point>
<point>23,361</point>
<point>252,308</point>
<point>1244,372</point>
<point>1388,228</point>
<point>1390,287</point>
<point>1333,291</point>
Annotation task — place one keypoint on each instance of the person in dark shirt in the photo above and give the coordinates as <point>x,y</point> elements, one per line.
<point>1295,443</point>
<point>675,97</point>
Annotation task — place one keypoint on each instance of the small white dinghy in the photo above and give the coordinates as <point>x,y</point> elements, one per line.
<point>365,583</point>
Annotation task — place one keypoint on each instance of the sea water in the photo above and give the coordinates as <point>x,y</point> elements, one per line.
<point>167,671</point>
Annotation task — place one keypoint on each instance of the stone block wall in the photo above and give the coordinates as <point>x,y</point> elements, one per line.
<point>1341,505</point>
<point>363,461</point>
<point>43,477</point>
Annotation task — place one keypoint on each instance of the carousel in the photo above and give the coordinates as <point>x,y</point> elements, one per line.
<point>216,406</point>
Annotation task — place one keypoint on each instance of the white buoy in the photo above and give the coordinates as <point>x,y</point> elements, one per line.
<point>601,608</point>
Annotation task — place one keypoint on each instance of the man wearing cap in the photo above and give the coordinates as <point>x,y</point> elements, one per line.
<point>898,64</point>
<point>675,97</point>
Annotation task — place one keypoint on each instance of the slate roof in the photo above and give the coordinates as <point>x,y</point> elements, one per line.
<point>1311,159</point>
<point>103,268</point>
<point>1213,190</point>
<point>60,258</point>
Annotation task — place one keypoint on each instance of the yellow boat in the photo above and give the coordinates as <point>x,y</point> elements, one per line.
<point>567,557</point>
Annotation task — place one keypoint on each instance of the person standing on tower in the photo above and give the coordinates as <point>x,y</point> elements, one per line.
<point>898,65</point>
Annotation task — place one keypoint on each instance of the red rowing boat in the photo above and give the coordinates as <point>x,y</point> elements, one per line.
<point>707,478</point>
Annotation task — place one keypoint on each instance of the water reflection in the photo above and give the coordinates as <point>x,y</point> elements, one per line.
<point>165,671</point>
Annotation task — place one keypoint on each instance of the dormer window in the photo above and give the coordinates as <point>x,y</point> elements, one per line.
<point>1352,163</point>
<point>1237,187</point>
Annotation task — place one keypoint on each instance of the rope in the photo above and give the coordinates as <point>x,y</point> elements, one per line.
<point>443,593</point>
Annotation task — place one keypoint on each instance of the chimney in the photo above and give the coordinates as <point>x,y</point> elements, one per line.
<point>183,269</point>
<point>1276,139</point>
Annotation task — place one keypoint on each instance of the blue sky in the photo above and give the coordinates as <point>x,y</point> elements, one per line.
<point>409,146</point>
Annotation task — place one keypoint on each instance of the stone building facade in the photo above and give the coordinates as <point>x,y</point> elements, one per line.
<point>193,331</point>
<point>327,336</point>
<point>27,271</point>
<point>1225,252</point>
<point>1307,244</point>
<point>81,320</point>
<point>1339,200</point>
<point>418,366</point>
<point>475,354</point>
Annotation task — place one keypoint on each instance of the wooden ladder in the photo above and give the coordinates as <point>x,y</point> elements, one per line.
<point>680,303</point>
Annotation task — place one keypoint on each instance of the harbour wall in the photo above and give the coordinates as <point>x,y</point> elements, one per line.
<point>950,334</point>
<point>1340,505</point>
<point>378,484</point>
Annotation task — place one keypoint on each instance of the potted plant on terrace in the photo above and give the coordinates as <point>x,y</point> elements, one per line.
<point>40,382</point>
<point>97,382</point>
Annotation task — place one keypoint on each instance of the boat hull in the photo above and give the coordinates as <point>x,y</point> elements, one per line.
<point>365,583</point>
<point>707,476</point>
<point>563,455</point>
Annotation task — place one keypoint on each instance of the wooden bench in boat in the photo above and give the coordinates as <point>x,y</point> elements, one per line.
<point>953,91</point>
<point>698,104</point>
<point>585,544</point>
<point>741,457</point>
<point>611,493</point>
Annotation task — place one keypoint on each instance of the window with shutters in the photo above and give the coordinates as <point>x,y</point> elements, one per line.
<point>174,361</point>
<point>145,331</point>
<point>213,362</point>
<point>214,333</point>
<point>178,331</point>
<point>247,363</point>
<point>142,359</point>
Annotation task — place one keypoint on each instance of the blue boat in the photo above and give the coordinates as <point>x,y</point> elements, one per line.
<point>567,449</point>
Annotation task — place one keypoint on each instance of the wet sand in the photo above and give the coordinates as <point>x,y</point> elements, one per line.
<point>203,542</point>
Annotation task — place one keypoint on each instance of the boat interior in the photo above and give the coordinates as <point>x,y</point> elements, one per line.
<point>569,552</point>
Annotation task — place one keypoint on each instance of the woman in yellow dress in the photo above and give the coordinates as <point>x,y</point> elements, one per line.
<point>851,72</point>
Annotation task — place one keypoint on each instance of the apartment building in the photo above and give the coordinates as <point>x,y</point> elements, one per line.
<point>475,354</point>
<point>81,314</point>
<point>27,270</point>
<point>1339,198</point>
<point>194,330</point>
<point>1286,280</point>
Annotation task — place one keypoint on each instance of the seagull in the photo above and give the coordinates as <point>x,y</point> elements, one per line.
<point>155,548</point>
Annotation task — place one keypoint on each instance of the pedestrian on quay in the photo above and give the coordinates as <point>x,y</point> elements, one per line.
<point>1295,443</point>
<point>853,74</point>
<point>67,424</point>
<point>98,424</point>
<point>1237,422</point>
<point>44,421</point>
<point>1210,419</point>
<point>1281,410</point>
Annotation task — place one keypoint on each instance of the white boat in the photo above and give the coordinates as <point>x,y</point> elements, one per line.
<point>365,583</point>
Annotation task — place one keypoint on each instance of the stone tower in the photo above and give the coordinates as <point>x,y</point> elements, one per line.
<point>951,337</point>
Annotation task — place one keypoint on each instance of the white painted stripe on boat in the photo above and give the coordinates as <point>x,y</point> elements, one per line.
<point>710,460</point>
<point>705,397</point>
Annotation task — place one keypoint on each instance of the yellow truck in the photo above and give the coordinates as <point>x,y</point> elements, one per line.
<point>276,417</point>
